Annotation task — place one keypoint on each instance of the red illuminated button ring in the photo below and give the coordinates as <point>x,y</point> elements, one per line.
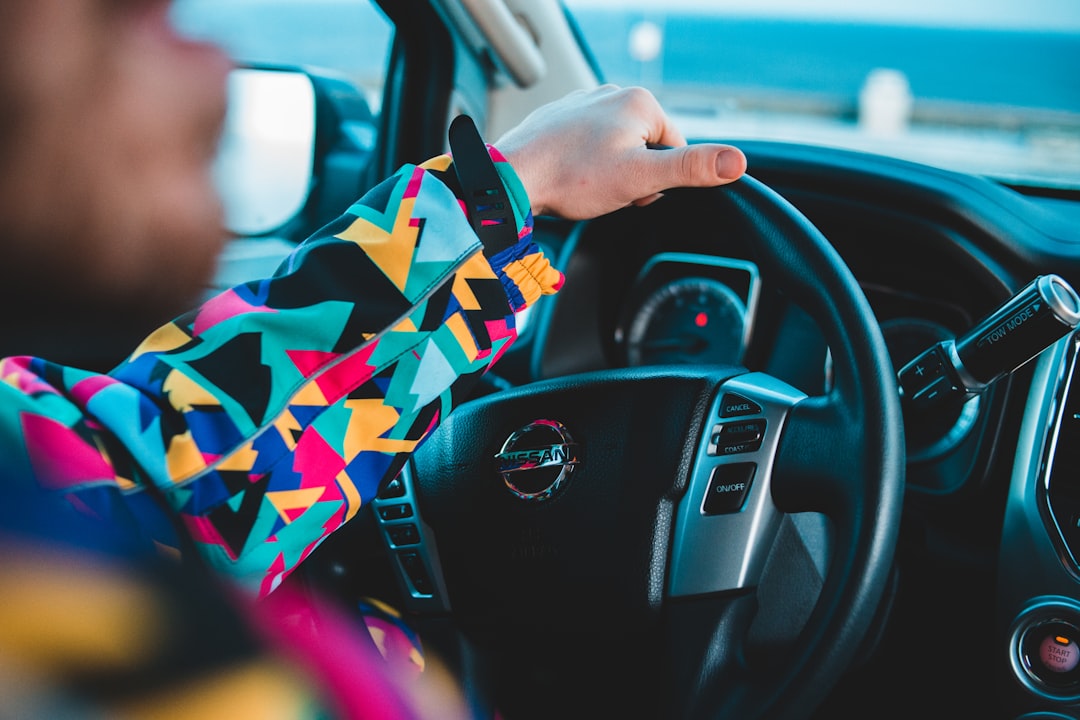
<point>1051,654</point>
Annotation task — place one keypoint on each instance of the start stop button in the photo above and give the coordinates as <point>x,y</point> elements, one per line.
<point>1058,653</point>
<point>1050,654</point>
<point>1047,650</point>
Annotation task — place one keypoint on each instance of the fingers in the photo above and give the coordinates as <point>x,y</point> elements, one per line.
<point>639,103</point>
<point>642,202</point>
<point>586,154</point>
<point>698,165</point>
<point>670,135</point>
<point>703,165</point>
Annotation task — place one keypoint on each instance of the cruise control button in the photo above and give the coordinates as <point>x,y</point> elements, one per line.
<point>735,405</point>
<point>394,489</point>
<point>395,512</point>
<point>413,565</point>
<point>737,437</point>
<point>728,488</point>
<point>406,534</point>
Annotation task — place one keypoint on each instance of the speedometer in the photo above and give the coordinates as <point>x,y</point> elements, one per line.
<point>689,320</point>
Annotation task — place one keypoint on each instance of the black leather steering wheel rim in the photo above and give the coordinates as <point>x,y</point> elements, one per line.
<point>851,437</point>
<point>840,454</point>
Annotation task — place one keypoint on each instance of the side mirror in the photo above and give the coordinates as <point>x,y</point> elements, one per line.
<point>294,150</point>
<point>265,164</point>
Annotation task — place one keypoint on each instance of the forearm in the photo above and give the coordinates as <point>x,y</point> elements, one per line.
<point>290,401</point>
<point>263,420</point>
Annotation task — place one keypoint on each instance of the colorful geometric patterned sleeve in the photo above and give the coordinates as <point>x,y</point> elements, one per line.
<point>264,419</point>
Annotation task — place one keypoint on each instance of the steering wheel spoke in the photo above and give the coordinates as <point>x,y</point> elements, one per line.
<point>727,521</point>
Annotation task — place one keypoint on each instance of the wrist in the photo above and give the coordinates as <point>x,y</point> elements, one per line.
<point>517,186</point>
<point>525,171</point>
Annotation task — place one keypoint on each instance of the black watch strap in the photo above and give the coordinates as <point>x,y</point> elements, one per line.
<point>487,203</point>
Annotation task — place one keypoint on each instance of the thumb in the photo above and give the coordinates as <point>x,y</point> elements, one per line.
<point>697,165</point>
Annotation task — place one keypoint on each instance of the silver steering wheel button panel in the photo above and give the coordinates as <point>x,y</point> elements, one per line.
<point>726,522</point>
<point>411,544</point>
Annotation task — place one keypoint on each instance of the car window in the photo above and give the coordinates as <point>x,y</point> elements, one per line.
<point>347,36</point>
<point>985,86</point>
<point>264,169</point>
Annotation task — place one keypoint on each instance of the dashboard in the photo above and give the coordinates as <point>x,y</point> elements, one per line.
<point>987,537</point>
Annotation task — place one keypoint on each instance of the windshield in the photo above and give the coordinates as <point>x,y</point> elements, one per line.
<point>983,86</point>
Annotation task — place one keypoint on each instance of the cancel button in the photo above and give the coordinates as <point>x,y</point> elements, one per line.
<point>728,487</point>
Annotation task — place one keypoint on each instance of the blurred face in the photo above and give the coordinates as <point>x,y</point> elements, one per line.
<point>108,126</point>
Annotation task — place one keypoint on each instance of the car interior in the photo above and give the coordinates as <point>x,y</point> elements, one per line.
<point>753,503</point>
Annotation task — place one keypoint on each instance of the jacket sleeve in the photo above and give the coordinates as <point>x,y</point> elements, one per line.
<point>263,420</point>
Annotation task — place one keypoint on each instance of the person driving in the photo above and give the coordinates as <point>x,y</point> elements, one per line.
<point>245,431</point>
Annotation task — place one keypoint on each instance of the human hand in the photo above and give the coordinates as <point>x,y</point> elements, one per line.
<point>585,154</point>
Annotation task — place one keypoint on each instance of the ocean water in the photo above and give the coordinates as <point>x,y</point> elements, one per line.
<point>1001,102</point>
<point>1017,68</point>
<point>1026,69</point>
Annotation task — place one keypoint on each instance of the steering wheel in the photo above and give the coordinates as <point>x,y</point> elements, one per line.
<point>614,558</point>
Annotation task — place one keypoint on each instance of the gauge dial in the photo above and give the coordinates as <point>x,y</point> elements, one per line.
<point>690,320</point>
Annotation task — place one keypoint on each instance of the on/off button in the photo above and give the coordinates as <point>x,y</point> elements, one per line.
<point>728,488</point>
